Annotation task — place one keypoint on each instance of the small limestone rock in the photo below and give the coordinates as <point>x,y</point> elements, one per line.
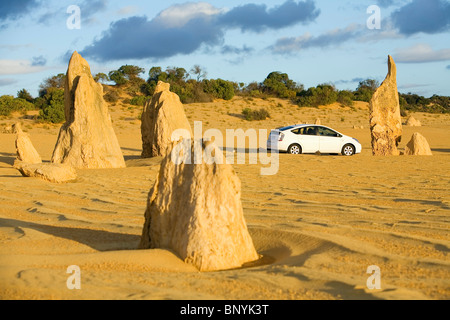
<point>24,147</point>
<point>8,129</point>
<point>51,172</point>
<point>195,210</point>
<point>412,122</point>
<point>161,117</point>
<point>87,138</point>
<point>418,146</point>
<point>385,119</point>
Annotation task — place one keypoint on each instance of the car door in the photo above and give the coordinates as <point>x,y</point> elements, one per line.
<point>308,139</point>
<point>329,140</point>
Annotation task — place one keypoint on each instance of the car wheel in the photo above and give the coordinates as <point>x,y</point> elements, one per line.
<point>348,150</point>
<point>295,149</point>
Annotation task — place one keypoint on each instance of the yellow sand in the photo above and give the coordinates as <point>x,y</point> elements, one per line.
<point>319,223</point>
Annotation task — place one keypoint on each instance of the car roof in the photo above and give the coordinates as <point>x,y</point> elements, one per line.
<point>296,126</point>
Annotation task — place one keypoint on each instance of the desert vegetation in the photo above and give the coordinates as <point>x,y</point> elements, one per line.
<point>195,87</point>
<point>250,115</point>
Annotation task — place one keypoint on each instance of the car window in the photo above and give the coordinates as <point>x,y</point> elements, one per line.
<point>327,132</point>
<point>311,131</point>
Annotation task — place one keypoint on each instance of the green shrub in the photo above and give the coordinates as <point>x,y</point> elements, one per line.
<point>52,82</point>
<point>345,98</point>
<point>148,88</point>
<point>101,77</point>
<point>24,94</point>
<point>198,94</point>
<point>219,89</point>
<point>134,86</point>
<point>9,104</point>
<point>253,89</point>
<point>365,90</point>
<point>118,77</point>
<point>126,74</point>
<point>111,96</point>
<point>52,106</point>
<point>6,105</point>
<point>280,85</point>
<point>251,115</point>
<point>53,113</point>
<point>416,103</point>
<point>191,91</point>
<point>321,95</point>
<point>20,104</point>
<point>139,100</point>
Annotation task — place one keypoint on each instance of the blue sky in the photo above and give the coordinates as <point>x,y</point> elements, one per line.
<point>313,41</point>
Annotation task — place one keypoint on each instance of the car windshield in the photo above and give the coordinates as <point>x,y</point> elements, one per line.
<point>327,132</point>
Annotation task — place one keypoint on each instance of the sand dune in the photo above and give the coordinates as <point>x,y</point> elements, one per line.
<point>319,223</point>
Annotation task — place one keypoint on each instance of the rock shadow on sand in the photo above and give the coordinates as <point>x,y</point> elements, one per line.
<point>7,158</point>
<point>440,150</point>
<point>348,292</point>
<point>131,149</point>
<point>96,239</point>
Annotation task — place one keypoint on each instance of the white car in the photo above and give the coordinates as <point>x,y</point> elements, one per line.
<point>309,138</point>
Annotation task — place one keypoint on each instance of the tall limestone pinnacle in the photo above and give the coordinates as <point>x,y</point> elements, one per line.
<point>87,138</point>
<point>385,118</point>
<point>195,211</point>
<point>161,117</point>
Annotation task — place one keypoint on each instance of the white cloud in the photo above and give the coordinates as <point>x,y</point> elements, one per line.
<point>18,67</point>
<point>7,82</point>
<point>421,53</point>
<point>284,45</point>
<point>127,10</point>
<point>412,86</point>
<point>178,15</point>
<point>333,37</point>
<point>15,47</point>
<point>184,28</point>
<point>388,31</point>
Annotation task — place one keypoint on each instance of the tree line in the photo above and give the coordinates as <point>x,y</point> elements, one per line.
<point>195,87</point>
